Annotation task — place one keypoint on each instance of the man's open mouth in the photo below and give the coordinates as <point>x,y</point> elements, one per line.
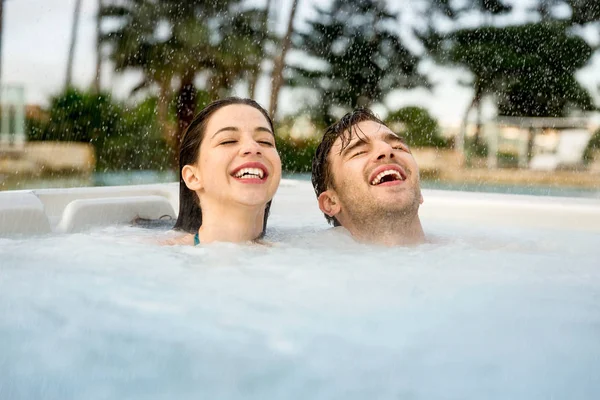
<point>388,175</point>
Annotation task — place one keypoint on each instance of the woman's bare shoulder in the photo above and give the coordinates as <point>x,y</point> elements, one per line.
<point>174,238</point>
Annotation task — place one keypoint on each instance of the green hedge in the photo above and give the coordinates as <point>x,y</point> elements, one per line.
<point>593,144</point>
<point>130,138</point>
<point>417,126</point>
<point>124,137</point>
<point>296,155</point>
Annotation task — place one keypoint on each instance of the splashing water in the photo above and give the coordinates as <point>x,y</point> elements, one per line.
<point>485,313</point>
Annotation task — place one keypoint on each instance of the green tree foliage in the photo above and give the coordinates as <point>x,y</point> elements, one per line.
<point>456,10</point>
<point>137,143</point>
<point>529,68</point>
<point>78,116</point>
<point>585,12</point>
<point>175,41</point>
<point>160,38</point>
<point>355,55</point>
<point>296,155</point>
<point>593,146</point>
<point>134,43</point>
<point>123,137</point>
<point>417,126</point>
<point>582,12</point>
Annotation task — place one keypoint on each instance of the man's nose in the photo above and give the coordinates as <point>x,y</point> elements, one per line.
<point>384,150</point>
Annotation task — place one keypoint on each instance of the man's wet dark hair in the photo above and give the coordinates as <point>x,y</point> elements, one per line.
<point>190,212</point>
<point>322,178</point>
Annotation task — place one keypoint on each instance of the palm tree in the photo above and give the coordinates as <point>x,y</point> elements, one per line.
<point>134,46</point>
<point>230,52</point>
<point>96,84</point>
<point>171,42</point>
<point>76,15</point>
<point>354,56</point>
<point>1,31</point>
<point>279,62</point>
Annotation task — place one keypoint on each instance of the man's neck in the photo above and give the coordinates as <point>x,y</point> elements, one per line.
<point>231,223</point>
<point>389,231</point>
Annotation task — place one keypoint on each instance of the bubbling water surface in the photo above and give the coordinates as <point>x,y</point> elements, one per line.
<point>485,313</point>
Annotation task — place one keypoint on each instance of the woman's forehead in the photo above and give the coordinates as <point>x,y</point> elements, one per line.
<point>239,116</point>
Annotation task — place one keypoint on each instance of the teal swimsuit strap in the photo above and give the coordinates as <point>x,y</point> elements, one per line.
<point>196,239</point>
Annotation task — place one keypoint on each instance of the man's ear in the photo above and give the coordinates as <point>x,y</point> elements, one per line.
<point>420,197</point>
<point>329,203</point>
<point>191,177</point>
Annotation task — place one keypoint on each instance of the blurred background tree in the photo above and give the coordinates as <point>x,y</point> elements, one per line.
<point>279,59</point>
<point>80,117</point>
<point>354,56</point>
<point>592,151</point>
<point>177,43</point>
<point>417,127</point>
<point>527,69</point>
<point>123,137</point>
<point>73,41</point>
<point>347,54</point>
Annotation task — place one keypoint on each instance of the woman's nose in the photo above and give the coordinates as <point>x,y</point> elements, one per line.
<point>250,146</point>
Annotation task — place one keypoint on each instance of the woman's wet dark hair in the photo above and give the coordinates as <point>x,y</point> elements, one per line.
<point>190,212</point>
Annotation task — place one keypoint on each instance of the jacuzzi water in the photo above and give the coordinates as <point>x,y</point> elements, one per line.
<point>484,312</point>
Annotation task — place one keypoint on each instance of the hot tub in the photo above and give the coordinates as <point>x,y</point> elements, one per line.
<point>504,304</point>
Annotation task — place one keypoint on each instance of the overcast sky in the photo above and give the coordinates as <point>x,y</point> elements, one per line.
<point>36,40</point>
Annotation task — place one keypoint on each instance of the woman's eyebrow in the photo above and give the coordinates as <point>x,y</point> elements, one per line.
<point>235,129</point>
<point>263,129</point>
<point>226,129</point>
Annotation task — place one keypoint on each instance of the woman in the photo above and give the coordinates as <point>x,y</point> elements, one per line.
<point>229,172</point>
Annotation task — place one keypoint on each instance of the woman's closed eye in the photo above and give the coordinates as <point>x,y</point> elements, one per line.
<point>358,153</point>
<point>228,141</point>
<point>267,143</point>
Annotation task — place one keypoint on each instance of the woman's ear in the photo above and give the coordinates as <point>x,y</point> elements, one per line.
<point>329,204</point>
<point>191,177</point>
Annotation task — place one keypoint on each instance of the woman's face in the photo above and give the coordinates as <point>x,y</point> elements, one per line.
<point>238,161</point>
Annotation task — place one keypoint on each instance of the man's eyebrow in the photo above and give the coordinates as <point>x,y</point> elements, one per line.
<point>234,129</point>
<point>393,137</point>
<point>357,143</point>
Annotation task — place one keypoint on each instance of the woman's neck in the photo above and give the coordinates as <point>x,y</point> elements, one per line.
<point>231,223</point>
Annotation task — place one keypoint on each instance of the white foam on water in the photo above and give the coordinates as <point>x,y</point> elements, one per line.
<point>482,313</point>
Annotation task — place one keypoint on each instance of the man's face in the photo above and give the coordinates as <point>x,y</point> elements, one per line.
<point>374,176</point>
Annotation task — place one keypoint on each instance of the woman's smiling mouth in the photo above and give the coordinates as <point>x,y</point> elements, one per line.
<point>252,172</point>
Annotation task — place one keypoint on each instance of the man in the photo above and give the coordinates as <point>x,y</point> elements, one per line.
<point>367,181</point>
